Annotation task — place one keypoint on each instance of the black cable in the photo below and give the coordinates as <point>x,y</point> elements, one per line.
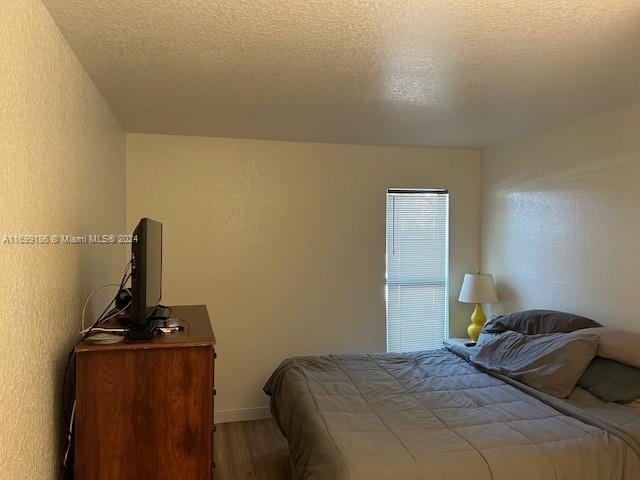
<point>71,357</point>
<point>104,316</point>
<point>125,277</point>
<point>70,361</point>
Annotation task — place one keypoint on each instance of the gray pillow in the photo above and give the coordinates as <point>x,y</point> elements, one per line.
<point>611,381</point>
<point>534,322</point>
<point>551,363</point>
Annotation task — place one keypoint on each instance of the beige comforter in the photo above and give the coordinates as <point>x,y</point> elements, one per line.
<point>431,415</point>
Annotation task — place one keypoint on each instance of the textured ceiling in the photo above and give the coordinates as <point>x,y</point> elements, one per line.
<point>403,72</point>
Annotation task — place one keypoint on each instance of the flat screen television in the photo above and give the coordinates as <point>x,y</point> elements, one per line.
<point>146,270</point>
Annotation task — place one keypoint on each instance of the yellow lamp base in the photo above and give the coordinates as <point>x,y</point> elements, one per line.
<point>477,322</point>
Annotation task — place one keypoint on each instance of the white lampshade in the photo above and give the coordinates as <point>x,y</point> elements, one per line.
<point>478,288</point>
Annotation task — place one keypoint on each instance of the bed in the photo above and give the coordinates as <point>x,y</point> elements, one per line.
<point>433,415</point>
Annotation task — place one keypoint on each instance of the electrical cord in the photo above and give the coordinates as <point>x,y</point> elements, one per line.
<point>90,296</point>
<point>70,362</point>
<point>110,315</point>
<point>70,417</point>
<point>114,313</point>
<point>125,277</point>
<point>67,451</point>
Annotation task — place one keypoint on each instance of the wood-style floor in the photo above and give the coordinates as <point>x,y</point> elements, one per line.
<point>254,449</point>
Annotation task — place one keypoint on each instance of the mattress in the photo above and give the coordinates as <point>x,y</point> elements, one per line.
<point>431,415</point>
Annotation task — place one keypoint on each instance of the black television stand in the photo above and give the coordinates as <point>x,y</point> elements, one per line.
<point>144,331</point>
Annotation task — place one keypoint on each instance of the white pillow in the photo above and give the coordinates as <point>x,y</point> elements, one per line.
<point>619,345</point>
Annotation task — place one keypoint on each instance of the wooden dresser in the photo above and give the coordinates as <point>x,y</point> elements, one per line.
<point>144,410</point>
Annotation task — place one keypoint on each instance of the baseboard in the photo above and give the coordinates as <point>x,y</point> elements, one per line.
<point>241,414</point>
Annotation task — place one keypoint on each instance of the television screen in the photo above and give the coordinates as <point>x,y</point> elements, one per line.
<point>146,276</point>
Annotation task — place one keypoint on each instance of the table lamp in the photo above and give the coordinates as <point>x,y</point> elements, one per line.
<point>477,288</point>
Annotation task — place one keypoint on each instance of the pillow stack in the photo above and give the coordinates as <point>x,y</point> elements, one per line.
<point>614,375</point>
<point>553,351</point>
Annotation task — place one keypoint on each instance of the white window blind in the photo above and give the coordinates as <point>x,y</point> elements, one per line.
<point>417,269</point>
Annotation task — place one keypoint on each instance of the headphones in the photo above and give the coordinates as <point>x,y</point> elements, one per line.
<point>123,298</point>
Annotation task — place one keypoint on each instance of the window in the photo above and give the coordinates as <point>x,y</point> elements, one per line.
<point>417,269</point>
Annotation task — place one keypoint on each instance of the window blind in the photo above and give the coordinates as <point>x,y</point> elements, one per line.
<point>417,269</point>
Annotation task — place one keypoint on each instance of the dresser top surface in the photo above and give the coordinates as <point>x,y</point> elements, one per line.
<point>197,332</point>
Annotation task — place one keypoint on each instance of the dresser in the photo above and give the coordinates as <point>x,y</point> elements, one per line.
<point>144,410</point>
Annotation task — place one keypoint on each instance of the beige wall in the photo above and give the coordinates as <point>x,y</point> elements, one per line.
<point>62,168</point>
<point>285,242</point>
<point>561,222</point>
